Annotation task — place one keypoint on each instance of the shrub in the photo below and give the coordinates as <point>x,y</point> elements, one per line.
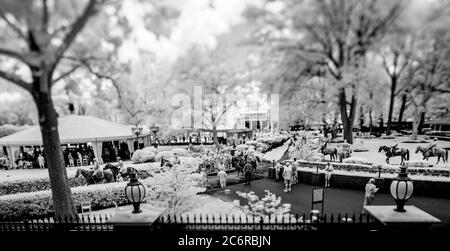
<point>144,155</point>
<point>25,186</point>
<point>417,163</point>
<point>355,160</point>
<point>180,152</point>
<point>164,154</point>
<point>251,142</point>
<point>136,156</point>
<point>36,204</point>
<point>40,184</point>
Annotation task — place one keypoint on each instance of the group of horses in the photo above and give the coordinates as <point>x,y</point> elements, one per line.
<point>426,153</point>
<point>402,152</point>
<point>109,173</point>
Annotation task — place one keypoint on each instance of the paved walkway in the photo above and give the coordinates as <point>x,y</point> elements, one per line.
<point>277,153</point>
<point>336,200</point>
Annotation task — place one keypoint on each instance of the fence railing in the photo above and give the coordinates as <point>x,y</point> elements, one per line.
<point>186,222</point>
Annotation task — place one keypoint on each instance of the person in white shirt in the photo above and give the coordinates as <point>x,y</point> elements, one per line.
<point>328,171</point>
<point>41,161</point>
<point>288,175</point>
<point>222,178</point>
<point>204,177</point>
<point>370,191</point>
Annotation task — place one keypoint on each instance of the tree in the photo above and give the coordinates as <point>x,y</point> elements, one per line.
<point>430,76</point>
<point>34,32</point>
<point>394,65</point>
<point>337,34</point>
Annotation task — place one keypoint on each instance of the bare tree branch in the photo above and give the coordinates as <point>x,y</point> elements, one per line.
<point>16,29</point>
<point>76,27</point>
<point>64,75</point>
<point>45,15</point>
<point>16,55</point>
<point>16,80</point>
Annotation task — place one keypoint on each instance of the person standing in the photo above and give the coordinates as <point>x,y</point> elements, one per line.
<point>204,177</point>
<point>41,161</point>
<point>369,196</point>
<point>222,178</point>
<point>248,173</point>
<point>288,176</point>
<point>295,166</point>
<point>328,171</point>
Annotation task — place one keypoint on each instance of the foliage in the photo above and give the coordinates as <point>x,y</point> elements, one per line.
<point>144,155</point>
<point>355,160</point>
<point>177,186</point>
<point>35,204</point>
<point>269,205</point>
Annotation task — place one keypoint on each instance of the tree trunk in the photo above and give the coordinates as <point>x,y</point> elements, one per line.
<point>422,121</point>
<point>416,121</point>
<point>391,104</point>
<point>402,108</point>
<point>347,121</point>
<point>62,196</point>
<point>214,132</point>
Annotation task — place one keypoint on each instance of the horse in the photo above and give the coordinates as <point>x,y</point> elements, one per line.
<point>114,169</point>
<point>106,175</point>
<point>87,174</point>
<point>438,152</point>
<point>404,153</point>
<point>329,151</point>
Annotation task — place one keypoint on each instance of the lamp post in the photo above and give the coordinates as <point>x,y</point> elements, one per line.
<point>135,192</point>
<point>401,189</point>
<point>155,130</point>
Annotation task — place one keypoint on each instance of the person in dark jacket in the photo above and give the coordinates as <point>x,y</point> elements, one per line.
<point>248,168</point>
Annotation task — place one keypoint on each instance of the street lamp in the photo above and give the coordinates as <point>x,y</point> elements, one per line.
<point>155,130</point>
<point>401,189</point>
<point>137,130</point>
<point>135,192</point>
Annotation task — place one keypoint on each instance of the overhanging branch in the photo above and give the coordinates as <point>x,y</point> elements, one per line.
<point>16,80</point>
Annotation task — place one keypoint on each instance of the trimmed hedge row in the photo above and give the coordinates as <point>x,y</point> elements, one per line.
<point>37,204</point>
<point>374,168</point>
<point>438,189</point>
<point>41,184</point>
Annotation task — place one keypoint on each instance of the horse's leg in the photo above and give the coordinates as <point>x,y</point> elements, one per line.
<point>387,160</point>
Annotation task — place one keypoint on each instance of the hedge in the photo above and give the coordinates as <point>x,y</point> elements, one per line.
<point>430,171</point>
<point>27,186</point>
<point>36,204</point>
<point>438,189</point>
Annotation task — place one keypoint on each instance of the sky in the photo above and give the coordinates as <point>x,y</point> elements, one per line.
<point>197,24</point>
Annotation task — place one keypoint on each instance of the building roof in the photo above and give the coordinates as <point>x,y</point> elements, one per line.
<point>445,121</point>
<point>73,129</point>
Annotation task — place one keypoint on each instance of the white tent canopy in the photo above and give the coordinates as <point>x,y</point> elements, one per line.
<point>73,129</point>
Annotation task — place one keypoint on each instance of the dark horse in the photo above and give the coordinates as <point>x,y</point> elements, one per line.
<point>108,176</point>
<point>329,151</point>
<point>404,153</point>
<point>114,169</point>
<point>440,153</point>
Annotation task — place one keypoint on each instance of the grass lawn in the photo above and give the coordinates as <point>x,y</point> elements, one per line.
<point>374,156</point>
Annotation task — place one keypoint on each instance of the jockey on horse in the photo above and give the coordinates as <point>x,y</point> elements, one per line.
<point>432,146</point>
<point>394,147</point>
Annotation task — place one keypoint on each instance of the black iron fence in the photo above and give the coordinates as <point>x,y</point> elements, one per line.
<point>203,223</point>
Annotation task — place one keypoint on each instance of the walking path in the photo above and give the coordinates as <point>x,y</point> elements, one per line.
<point>337,200</point>
<point>277,153</point>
